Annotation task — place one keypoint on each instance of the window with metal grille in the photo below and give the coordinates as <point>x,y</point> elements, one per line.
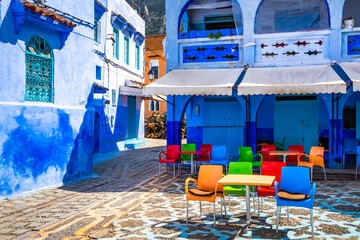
<point>155,70</point>
<point>113,92</point>
<point>126,50</point>
<point>137,57</point>
<point>39,70</point>
<point>154,105</point>
<point>115,43</point>
<point>97,30</point>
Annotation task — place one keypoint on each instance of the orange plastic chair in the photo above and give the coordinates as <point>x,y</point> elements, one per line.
<point>265,152</point>
<point>207,189</point>
<point>172,156</point>
<point>316,158</point>
<point>293,159</point>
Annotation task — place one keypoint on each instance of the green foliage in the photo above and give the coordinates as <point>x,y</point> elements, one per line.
<point>214,36</point>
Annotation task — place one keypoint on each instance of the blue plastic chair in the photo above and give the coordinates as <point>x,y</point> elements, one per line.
<point>295,180</point>
<point>219,156</point>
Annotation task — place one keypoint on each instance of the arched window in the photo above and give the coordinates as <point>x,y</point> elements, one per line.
<point>352,11</point>
<point>291,15</point>
<point>39,70</point>
<point>207,15</point>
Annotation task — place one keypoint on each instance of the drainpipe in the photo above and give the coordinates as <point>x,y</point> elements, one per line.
<point>332,123</point>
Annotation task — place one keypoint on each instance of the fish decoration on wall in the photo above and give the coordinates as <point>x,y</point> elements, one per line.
<point>312,52</point>
<point>263,45</point>
<point>210,58</point>
<point>229,56</point>
<point>201,49</point>
<point>355,50</point>
<point>319,42</point>
<point>350,40</point>
<point>280,45</point>
<point>269,54</point>
<point>304,43</point>
<point>191,58</point>
<point>222,48</point>
<point>293,53</point>
<point>211,53</point>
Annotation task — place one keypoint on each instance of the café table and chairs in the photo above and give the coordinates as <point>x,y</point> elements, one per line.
<point>192,153</point>
<point>248,180</point>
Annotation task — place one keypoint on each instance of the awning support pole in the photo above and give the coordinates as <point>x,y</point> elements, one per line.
<point>164,100</point>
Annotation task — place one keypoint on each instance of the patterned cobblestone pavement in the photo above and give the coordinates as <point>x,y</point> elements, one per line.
<point>129,201</point>
<point>70,205</point>
<point>336,216</point>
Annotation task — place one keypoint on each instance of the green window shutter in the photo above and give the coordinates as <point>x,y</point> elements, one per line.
<point>126,50</point>
<point>39,71</point>
<point>115,43</point>
<point>137,57</point>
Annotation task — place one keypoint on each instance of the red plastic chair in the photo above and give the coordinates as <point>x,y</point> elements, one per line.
<point>172,156</point>
<point>272,169</point>
<point>265,152</point>
<point>206,156</point>
<point>293,159</point>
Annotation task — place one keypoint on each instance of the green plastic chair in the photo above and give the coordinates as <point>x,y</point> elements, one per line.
<point>187,147</point>
<point>246,155</point>
<point>239,190</point>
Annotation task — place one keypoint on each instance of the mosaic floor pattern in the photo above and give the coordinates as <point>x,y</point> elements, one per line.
<point>163,216</point>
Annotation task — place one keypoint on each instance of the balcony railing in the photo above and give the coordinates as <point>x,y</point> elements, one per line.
<point>300,48</point>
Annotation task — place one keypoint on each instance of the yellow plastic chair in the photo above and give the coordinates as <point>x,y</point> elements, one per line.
<point>315,158</point>
<point>207,189</point>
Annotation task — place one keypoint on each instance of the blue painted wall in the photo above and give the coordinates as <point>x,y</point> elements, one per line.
<point>46,144</point>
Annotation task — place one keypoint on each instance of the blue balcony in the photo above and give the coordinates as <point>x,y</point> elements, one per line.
<point>207,33</point>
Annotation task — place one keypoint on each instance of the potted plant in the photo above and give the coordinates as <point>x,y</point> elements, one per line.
<point>349,22</point>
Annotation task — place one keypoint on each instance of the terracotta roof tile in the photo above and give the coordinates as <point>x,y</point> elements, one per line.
<point>47,13</point>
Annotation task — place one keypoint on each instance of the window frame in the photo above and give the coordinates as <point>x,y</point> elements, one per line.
<point>32,42</point>
<point>126,50</point>
<point>137,57</point>
<point>115,43</point>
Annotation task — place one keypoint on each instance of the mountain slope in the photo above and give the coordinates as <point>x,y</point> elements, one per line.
<point>155,20</point>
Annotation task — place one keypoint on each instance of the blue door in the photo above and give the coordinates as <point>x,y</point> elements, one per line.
<point>297,121</point>
<point>131,117</point>
<point>223,123</point>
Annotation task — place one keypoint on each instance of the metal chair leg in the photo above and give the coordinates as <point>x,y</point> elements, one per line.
<point>325,174</point>
<point>221,206</point>
<point>312,222</point>
<point>254,201</point>
<point>258,207</point>
<point>288,215</point>
<point>229,203</point>
<point>312,174</point>
<point>214,214</point>
<point>200,209</point>
<point>159,169</point>
<point>279,214</point>
<point>224,206</point>
<point>277,219</point>
<point>174,170</point>
<point>187,210</point>
<point>262,203</point>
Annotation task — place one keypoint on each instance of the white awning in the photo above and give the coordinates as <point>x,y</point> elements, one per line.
<point>352,69</point>
<point>291,80</point>
<point>131,91</point>
<point>195,82</point>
